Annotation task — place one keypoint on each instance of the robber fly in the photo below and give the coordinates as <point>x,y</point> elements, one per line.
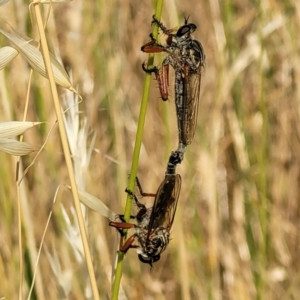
<point>186,56</point>
<point>153,225</point>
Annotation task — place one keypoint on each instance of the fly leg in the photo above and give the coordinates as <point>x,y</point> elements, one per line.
<point>142,208</point>
<point>141,190</point>
<point>161,26</point>
<point>128,244</point>
<point>161,77</point>
<point>153,46</point>
<point>120,226</point>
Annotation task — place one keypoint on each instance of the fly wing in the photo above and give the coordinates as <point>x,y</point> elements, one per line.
<point>165,203</point>
<point>191,81</point>
<point>191,92</point>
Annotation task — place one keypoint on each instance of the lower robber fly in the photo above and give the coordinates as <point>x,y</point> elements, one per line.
<point>186,56</point>
<point>153,225</point>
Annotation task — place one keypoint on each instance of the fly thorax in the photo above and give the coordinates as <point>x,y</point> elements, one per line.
<point>181,41</point>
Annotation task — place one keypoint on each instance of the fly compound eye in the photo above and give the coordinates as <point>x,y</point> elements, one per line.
<point>149,260</point>
<point>189,28</point>
<point>156,258</point>
<point>193,27</point>
<point>183,30</point>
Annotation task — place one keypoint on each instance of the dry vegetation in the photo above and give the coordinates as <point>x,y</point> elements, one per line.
<point>236,233</point>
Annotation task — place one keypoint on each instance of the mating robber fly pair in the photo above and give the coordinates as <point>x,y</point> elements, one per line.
<point>186,56</point>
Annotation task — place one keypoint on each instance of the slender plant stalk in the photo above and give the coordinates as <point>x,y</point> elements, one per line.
<point>66,150</point>
<point>21,271</point>
<point>263,211</point>
<point>136,153</point>
<point>19,199</point>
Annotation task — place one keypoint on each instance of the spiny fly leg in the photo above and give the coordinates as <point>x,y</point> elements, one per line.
<point>161,77</point>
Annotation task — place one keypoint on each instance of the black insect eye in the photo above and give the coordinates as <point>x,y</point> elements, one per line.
<point>193,27</point>
<point>183,30</point>
<point>149,260</point>
<point>144,259</point>
<point>156,258</point>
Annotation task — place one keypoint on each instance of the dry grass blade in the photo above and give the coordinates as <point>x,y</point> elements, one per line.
<point>14,147</point>
<point>65,276</point>
<point>15,128</point>
<point>7,54</point>
<point>63,137</point>
<point>36,61</point>
<point>95,204</point>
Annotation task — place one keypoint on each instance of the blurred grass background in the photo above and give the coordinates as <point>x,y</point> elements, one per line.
<point>236,232</point>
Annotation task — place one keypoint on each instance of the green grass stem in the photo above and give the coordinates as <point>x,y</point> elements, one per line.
<point>136,152</point>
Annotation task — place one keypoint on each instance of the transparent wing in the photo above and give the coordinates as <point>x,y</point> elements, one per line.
<point>191,93</point>
<point>165,203</point>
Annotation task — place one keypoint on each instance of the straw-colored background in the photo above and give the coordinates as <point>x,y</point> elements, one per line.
<point>236,232</point>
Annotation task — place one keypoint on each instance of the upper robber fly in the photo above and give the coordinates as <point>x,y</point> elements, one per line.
<point>153,224</point>
<point>186,56</point>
